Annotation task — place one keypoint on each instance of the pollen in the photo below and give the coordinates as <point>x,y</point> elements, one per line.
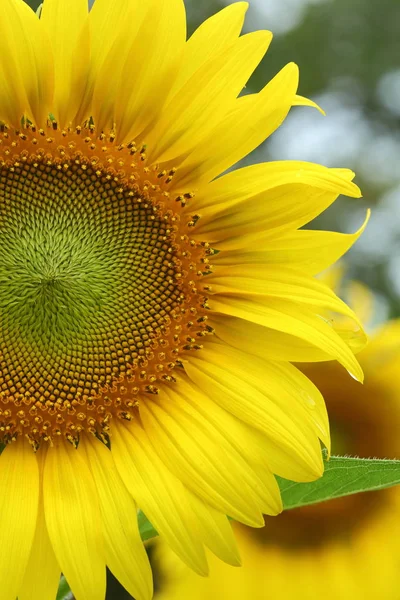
<point>99,282</point>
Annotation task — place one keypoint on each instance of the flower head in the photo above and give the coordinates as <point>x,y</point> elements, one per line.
<point>149,308</point>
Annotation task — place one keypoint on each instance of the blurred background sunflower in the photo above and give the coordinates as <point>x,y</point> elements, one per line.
<point>348,53</point>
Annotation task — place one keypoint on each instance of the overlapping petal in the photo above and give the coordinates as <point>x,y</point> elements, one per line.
<point>110,24</point>
<point>242,392</point>
<point>26,66</point>
<point>150,68</point>
<point>251,121</point>
<point>202,459</point>
<point>42,574</point>
<point>216,531</point>
<point>188,116</point>
<point>272,344</point>
<point>124,551</point>
<point>307,250</point>
<point>73,521</point>
<point>66,24</point>
<point>159,493</point>
<point>295,320</point>
<point>213,36</point>
<point>248,183</point>
<point>19,501</point>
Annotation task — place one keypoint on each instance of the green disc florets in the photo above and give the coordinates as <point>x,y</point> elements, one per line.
<point>99,292</point>
<point>86,275</point>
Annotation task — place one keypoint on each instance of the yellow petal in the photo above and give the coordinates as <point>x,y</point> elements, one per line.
<point>107,19</point>
<point>280,460</point>
<point>249,183</point>
<point>158,493</point>
<point>216,531</point>
<point>111,24</point>
<point>309,401</point>
<point>26,67</point>
<point>301,101</point>
<point>73,520</point>
<point>293,318</point>
<point>42,574</point>
<point>19,499</point>
<point>200,457</point>
<point>189,116</point>
<point>67,26</point>
<point>215,418</point>
<point>307,250</point>
<point>150,68</point>
<point>268,198</point>
<point>252,120</point>
<point>213,36</point>
<point>264,342</point>
<point>283,282</point>
<point>284,384</point>
<point>228,376</point>
<point>124,549</point>
<point>266,283</point>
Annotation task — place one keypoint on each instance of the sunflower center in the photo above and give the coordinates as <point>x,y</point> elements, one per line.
<point>97,284</point>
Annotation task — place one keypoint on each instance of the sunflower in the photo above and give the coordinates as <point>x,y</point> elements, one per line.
<point>346,548</point>
<point>150,309</point>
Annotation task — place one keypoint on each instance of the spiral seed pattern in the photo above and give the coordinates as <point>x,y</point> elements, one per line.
<point>98,293</point>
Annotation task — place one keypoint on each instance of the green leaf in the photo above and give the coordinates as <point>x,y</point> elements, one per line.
<point>343,476</point>
<point>146,529</point>
<point>64,592</point>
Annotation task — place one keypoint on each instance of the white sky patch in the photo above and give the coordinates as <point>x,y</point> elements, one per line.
<point>381,238</point>
<point>279,16</point>
<point>343,138</point>
<point>379,161</point>
<point>388,91</point>
<point>393,273</point>
<point>334,140</point>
